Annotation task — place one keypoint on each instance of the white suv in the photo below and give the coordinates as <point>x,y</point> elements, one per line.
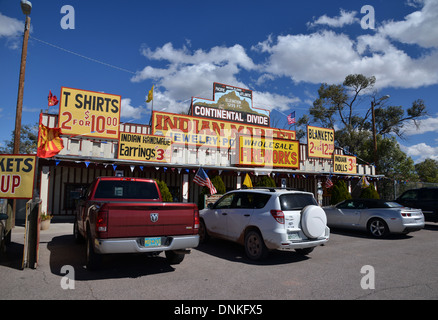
<point>266,219</point>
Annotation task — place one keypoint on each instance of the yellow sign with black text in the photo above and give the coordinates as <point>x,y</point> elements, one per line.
<point>142,147</point>
<point>344,164</point>
<point>17,176</point>
<point>269,152</point>
<point>320,142</point>
<point>197,131</point>
<point>89,113</point>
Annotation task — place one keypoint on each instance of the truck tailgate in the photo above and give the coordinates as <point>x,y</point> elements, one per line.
<point>126,220</point>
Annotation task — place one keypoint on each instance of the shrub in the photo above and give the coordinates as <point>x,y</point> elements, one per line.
<point>369,193</point>
<point>165,193</point>
<point>339,192</point>
<point>266,181</point>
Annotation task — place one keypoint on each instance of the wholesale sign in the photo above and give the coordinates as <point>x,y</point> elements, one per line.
<point>17,176</point>
<point>89,113</point>
<point>142,147</point>
<point>320,142</point>
<point>273,153</point>
<point>344,164</point>
<point>232,104</point>
<point>196,131</point>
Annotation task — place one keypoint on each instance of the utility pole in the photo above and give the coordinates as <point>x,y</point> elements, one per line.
<point>26,7</point>
<point>21,80</point>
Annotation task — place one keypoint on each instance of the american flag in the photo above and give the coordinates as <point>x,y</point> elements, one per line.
<point>202,179</point>
<point>291,118</point>
<point>328,183</point>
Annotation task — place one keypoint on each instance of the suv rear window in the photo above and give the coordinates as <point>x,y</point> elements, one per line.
<point>296,201</point>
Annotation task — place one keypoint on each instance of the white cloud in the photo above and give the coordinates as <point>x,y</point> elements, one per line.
<point>192,74</point>
<point>345,18</point>
<point>429,124</point>
<point>419,27</point>
<point>317,57</point>
<point>128,111</point>
<point>10,27</point>
<point>327,56</point>
<point>269,101</point>
<point>322,56</point>
<point>421,152</point>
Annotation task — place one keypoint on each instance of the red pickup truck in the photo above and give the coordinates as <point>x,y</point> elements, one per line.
<point>127,215</point>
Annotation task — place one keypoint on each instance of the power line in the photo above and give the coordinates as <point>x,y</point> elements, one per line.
<point>82,56</point>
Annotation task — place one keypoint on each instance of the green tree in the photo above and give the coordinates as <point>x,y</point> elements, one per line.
<point>219,184</point>
<point>28,140</point>
<point>392,161</point>
<point>427,170</point>
<point>369,193</point>
<point>165,193</point>
<point>338,106</point>
<point>339,192</point>
<point>266,181</point>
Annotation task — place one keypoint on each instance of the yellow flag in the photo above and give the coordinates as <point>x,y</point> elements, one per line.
<point>150,95</point>
<point>247,182</point>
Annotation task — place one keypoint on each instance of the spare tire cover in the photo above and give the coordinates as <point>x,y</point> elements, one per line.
<point>313,221</point>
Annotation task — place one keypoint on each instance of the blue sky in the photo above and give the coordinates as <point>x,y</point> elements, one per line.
<point>281,49</point>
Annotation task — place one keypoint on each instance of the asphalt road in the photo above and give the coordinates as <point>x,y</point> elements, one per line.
<point>401,267</point>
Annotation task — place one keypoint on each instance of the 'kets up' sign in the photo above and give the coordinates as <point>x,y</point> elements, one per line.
<point>89,113</point>
<point>17,176</point>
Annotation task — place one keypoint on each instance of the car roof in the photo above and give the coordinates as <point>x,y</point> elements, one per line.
<point>271,190</point>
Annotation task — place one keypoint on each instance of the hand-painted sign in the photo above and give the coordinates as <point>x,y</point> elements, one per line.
<point>89,113</point>
<point>269,152</point>
<point>320,142</point>
<point>17,176</point>
<point>231,104</point>
<point>344,164</point>
<point>196,131</point>
<point>142,147</point>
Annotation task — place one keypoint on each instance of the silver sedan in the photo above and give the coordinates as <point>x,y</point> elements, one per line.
<point>378,217</point>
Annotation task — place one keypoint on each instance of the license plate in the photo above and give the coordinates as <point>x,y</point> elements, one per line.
<point>293,236</point>
<point>152,242</point>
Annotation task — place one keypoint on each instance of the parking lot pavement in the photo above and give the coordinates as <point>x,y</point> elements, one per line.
<point>400,267</point>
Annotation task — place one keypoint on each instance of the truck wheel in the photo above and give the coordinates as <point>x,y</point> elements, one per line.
<point>93,259</point>
<point>173,257</point>
<point>255,247</point>
<point>203,234</point>
<point>77,235</point>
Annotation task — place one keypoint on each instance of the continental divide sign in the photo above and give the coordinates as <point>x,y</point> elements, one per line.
<point>231,104</point>
<point>17,174</point>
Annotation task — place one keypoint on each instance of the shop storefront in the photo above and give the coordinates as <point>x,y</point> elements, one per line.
<point>225,136</point>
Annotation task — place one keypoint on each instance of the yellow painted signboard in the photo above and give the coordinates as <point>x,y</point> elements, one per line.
<point>89,113</point>
<point>344,164</point>
<point>142,147</point>
<point>17,176</point>
<point>273,153</point>
<point>320,142</point>
<point>197,131</point>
